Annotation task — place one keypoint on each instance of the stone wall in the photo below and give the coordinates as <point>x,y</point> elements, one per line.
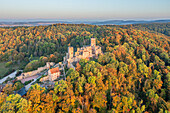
<point>70,65</point>
<point>44,79</point>
<point>32,73</point>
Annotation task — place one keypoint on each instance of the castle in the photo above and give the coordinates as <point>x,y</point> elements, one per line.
<point>85,52</point>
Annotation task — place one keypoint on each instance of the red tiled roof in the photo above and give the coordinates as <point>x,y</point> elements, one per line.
<point>54,70</point>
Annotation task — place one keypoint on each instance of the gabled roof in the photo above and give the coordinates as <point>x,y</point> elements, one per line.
<point>22,91</point>
<point>54,70</point>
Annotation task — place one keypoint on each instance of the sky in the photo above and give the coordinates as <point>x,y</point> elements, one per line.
<point>85,9</point>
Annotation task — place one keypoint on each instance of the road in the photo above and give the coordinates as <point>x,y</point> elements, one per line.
<point>12,75</point>
<point>29,85</point>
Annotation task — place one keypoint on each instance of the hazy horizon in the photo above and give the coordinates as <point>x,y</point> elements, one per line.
<point>85,10</point>
<point>74,20</point>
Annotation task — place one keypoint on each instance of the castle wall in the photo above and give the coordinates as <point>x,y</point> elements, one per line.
<point>49,74</point>
<point>44,79</point>
<point>70,65</point>
<point>32,73</point>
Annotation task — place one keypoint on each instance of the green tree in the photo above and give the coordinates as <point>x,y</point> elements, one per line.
<point>15,103</point>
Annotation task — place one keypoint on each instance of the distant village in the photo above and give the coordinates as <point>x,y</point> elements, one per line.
<point>51,72</point>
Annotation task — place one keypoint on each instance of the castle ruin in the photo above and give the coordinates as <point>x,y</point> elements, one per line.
<point>82,53</point>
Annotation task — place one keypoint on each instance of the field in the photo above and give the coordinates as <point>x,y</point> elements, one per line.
<point>4,70</point>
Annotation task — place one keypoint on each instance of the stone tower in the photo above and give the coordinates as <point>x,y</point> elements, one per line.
<point>49,74</point>
<point>70,52</point>
<point>48,65</point>
<point>93,42</point>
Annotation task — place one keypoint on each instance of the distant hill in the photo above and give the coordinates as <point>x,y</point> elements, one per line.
<point>31,23</point>
<point>4,23</point>
<point>125,22</point>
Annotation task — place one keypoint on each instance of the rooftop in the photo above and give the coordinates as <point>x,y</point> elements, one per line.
<point>54,70</point>
<point>22,91</point>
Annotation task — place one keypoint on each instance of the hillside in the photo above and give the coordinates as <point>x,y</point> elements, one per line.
<point>163,28</point>
<point>133,75</point>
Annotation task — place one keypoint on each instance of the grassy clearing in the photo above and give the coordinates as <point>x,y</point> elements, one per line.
<point>4,70</point>
<point>21,66</point>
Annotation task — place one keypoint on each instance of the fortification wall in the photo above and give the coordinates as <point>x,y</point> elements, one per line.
<point>44,79</point>
<point>32,73</point>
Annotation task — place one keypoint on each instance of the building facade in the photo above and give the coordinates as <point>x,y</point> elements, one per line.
<point>53,74</point>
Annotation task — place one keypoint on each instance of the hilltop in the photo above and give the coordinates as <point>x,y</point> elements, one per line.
<point>132,75</point>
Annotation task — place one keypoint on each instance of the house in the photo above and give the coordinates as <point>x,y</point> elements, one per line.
<point>53,74</point>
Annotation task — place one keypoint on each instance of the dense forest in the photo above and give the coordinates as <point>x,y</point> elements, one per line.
<point>133,74</point>
<point>163,28</point>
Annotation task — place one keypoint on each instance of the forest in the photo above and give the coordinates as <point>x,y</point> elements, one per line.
<point>163,28</point>
<point>133,74</point>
